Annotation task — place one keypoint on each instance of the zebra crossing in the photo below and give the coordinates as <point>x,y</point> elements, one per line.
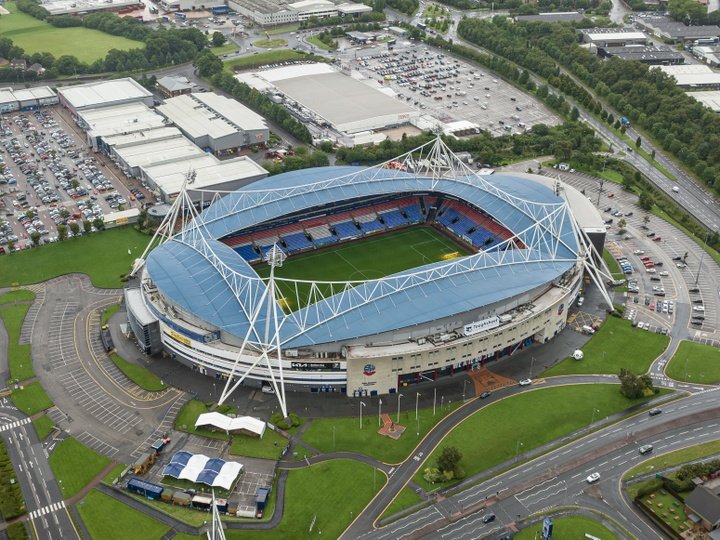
<point>13,425</point>
<point>54,507</point>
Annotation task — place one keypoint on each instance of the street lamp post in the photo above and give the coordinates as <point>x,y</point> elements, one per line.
<point>532,362</point>
<point>361,408</point>
<point>417,398</point>
<point>464,383</point>
<point>333,437</point>
<point>434,399</point>
<point>380,413</point>
<point>702,258</point>
<point>517,448</point>
<point>398,413</point>
<point>592,420</point>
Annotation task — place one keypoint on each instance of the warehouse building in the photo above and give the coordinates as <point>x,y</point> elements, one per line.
<point>666,28</point>
<point>710,54</point>
<point>711,99</point>
<point>174,86</point>
<point>215,122</point>
<point>80,7</point>
<point>331,102</point>
<point>100,94</point>
<point>99,124</point>
<point>650,55</point>
<point>167,178</point>
<point>131,158</point>
<point>560,16</point>
<point>26,99</point>
<point>693,76</point>
<point>274,12</point>
<point>613,37</point>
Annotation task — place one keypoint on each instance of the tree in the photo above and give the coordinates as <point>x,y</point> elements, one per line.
<point>646,219</point>
<point>635,386</point>
<point>652,154</point>
<point>645,201</point>
<point>218,39</point>
<point>638,142</point>
<point>64,213</point>
<point>87,226</point>
<point>11,246</point>
<point>62,232</point>
<point>449,459</point>
<point>74,228</point>
<point>207,63</point>
<point>35,237</point>
<point>98,223</point>
<point>622,223</point>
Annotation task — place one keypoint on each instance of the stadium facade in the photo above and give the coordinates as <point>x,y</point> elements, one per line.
<point>202,302</point>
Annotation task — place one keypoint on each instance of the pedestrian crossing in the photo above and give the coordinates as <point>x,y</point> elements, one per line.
<point>15,424</point>
<point>54,507</point>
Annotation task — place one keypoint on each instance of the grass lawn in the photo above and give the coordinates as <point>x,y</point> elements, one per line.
<point>568,528</point>
<point>615,270</point>
<point>558,411</point>
<point>19,357</point>
<point>140,375</point>
<point>34,36</point>
<point>75,465</point>
<point>273,43</point>
<point>187,416</point>
<point>43,426</point>
<point>107,314</point>
<point>11,500</point>
<point>318,43</point>
<point>368,258</point>
<point>103,256</point>
<point>114,474</point>
<point>667,508</point>
<point>269,447</point>
<point>695,362</point>
<point>19,295</point>
<point>405,499</point>
<point>224,49</point>
<point>109,519</point>
<point>616,345</point>
<point>283,29</point>
<point>333,492</point>
<point>350,438</point>
<point>31,399</point>
<point>671,459</point>
<point>270,57</point>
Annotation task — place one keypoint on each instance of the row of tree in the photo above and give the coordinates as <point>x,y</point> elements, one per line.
<point>648,97</point>
<point>314,22</point>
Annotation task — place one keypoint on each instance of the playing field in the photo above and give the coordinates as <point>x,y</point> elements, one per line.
<point>34,36</point>
<point>364,259</point>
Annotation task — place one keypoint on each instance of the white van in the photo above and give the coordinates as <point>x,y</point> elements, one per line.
<point>588,330</point>
<point>581,301</point>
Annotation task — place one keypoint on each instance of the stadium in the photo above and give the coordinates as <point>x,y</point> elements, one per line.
<point>365,280</point>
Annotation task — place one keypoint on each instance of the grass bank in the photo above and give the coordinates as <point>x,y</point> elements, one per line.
<point>103,256</point>
<point>568,528</point>
<point>75,465</point>
<point>13,315</point>
<point>109,519</point>
<point>31,399</point>
<point>140,375</point>
<point>695,362</point>
<point>614,346</point>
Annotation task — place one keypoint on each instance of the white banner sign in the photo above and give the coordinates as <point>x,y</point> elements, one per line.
<point>480,326</point>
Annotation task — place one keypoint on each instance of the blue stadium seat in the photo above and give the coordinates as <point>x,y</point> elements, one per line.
<point>413,213</point>
<point>346,229</point>
<point>394,219</point>
<point>297,242</point>
<point>370,226</point>
<point>247,252</point>
<point>325,241</point>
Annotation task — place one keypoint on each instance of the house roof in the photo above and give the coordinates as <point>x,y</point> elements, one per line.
<point>705,502</point>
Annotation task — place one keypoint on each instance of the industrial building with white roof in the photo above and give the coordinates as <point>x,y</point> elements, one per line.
<point>26,99</point>
<point>693,76</point>
<point>103,94</point>
<point>215,122</point>
<point>320,94</point>
<point>145,144</point>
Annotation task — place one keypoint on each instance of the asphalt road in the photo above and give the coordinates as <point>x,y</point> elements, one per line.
<point>46,509</point>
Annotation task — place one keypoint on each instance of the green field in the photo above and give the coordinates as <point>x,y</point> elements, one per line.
<point>405,499</point>
<point>271,43</point>
<point>19,295</point>
<point>557,412</point>
<point>103,256</point>
<point>140,375</point>
<point>35,36</point>
<point>695,362</point>
<point>568,528</point>
<point>75,465</point>
<point>31,399</point>
<point>19,357</point>
<point>614,346</point>
<point>269,447</point>
<point>333,492</point>
<point>43,426</point>
<point>109,519</point>
<point>108,312</point>
<point>368,258</point>
<point>188,415</point>
<point>345,435</point>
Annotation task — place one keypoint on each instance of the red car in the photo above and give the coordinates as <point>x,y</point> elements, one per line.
<point>657,239</point>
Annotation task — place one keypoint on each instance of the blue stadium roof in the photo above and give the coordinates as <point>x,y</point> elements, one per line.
<point>199,282</point>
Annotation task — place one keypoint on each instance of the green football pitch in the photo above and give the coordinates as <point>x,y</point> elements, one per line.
<point>361,260</point>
